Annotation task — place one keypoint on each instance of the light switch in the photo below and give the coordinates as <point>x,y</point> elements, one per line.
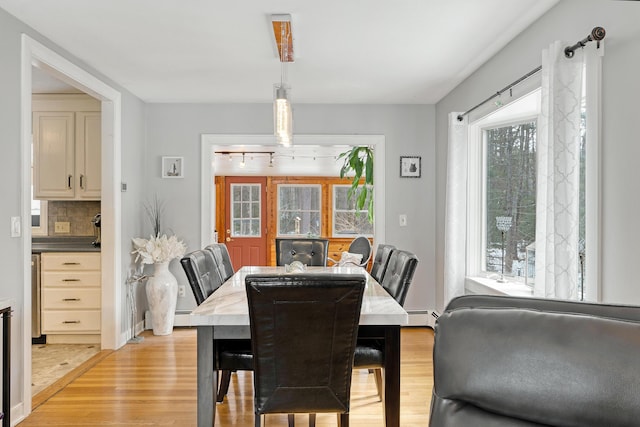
<point>15,226</point>
<point>403,220</point>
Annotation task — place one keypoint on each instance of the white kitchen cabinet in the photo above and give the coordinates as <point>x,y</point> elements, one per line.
<point>71,297</point>
<point>66,147</point>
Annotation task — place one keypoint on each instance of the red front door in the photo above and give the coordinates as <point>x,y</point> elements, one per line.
<point>245,220</point>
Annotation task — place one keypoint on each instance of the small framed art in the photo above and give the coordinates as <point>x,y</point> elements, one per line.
<point>172,167</point>
<point>410,166</point>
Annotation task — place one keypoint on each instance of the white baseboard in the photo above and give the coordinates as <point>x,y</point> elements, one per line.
<point>423,318</point>
<point>17,413</point>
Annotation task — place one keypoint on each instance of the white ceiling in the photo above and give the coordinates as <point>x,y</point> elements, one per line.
<point>347,51</point>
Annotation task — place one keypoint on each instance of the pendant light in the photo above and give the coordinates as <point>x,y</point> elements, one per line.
<point>282,111</point>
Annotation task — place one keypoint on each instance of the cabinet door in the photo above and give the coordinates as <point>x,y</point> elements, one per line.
<point>53,155</point>
<point>88,155</point>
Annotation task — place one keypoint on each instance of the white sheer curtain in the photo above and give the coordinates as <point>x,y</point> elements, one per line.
<point>455,229</point>
<point>558,151</point>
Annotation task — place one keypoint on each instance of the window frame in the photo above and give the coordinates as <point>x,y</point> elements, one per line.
<point>278,209</point>
<point>334,210</point>
<point>232,208</point>
<point>477,182</point>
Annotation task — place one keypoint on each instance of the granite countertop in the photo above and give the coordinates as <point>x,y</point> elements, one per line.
<point>64,244</point>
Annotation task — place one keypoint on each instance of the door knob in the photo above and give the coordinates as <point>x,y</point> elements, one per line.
<point>228,239</point>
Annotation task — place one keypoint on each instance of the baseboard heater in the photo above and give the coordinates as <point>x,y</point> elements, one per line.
<point>181,319</point>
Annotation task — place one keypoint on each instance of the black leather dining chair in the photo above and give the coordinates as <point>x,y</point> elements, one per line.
<point>232,355</point>
<point>380,261</point>
<point>222,259</point>
<point>304,329</point>
<point>399,274</point>
<point>396,281</point>
<point>310,252</point>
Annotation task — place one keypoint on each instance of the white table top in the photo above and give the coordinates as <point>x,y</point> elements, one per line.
<point>227,306</point>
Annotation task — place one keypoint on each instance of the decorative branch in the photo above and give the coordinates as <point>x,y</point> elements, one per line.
<point>154,211</point>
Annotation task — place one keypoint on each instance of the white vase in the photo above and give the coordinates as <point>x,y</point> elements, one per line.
<point>162,295</point>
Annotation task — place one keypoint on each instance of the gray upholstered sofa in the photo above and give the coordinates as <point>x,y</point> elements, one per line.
<point>524,362</point>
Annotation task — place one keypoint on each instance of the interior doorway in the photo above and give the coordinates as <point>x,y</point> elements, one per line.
<point>210,143</point>
<point>38,55</point>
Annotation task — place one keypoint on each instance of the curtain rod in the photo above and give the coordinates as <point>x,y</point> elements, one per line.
<point>596,34</point>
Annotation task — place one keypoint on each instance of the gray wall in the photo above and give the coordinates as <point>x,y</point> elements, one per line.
<point>572,20</point>
<point>11,261</point>
<point>175,129</point>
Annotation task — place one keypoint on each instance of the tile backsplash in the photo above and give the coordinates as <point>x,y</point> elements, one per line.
<point>77,214</point>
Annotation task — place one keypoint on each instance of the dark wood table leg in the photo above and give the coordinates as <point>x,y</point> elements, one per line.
<point>207,377</point>
<point>6,366</point>
<point>392,376</point>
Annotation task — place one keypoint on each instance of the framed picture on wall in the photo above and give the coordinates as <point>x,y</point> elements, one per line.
<point>410,166</point>
<point>172,167</point>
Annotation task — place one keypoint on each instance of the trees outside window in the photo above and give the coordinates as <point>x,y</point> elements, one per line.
<point>299,210</point>
<point>347,219</point>
<point>510,192</point>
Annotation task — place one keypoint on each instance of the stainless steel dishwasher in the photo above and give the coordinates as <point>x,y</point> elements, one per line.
<point>36,331</point>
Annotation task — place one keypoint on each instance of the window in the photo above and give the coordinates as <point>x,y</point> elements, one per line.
<point>39,225</point>
<point>347,221</point>
<point>503,179</point>
<point>245,215</point>
<point>299,210</point>
<point>502,187</point>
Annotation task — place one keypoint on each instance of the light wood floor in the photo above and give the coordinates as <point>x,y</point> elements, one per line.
<point>154,384</point>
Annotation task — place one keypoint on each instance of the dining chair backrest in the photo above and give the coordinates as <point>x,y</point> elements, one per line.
<point>381,260</point>
<point>399,274</point>
<point>199,266</point>
<point>361,245</point>
<point>311,252</point>
<point>222,259</point>
<point>303,330</point>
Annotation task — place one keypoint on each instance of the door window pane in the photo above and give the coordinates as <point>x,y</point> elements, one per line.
<point>245,216</point>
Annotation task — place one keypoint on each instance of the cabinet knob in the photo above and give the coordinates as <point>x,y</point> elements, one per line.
<point>71,299</point>
<point>82,181</point>
<point>69,181</point>
<point>71,322</point>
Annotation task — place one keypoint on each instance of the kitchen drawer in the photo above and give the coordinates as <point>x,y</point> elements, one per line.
<point>70,261</point>
<point>71,278</point>
<point>70,321</point>
<point>69,299</point>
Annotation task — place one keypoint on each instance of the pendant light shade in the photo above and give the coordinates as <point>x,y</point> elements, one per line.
<point>282,114</point>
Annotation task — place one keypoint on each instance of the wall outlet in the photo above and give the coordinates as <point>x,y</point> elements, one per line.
<point>403,220</point>
<point>181,291</point>
<point>62,227</point>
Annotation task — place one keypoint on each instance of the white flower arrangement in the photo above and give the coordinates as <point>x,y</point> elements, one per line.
<point>158,249</point>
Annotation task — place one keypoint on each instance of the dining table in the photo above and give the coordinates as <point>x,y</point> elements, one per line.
<point>225,315</point>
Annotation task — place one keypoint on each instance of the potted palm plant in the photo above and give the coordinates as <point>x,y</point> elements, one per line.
<point>359,161</point>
